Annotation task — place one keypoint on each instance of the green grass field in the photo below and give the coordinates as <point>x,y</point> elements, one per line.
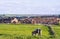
<point>24,31</point>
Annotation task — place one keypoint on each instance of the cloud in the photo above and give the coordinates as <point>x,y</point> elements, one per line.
<point>29,6</point>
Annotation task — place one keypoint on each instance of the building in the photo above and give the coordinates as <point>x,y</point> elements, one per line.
<point>15,21</point>
<point>51,20</point>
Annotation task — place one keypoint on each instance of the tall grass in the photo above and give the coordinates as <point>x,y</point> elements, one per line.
<point>23,31</point>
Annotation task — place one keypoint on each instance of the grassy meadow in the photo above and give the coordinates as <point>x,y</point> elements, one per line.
<point>24,31</point>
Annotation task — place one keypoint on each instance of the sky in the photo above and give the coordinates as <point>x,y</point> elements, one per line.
<point>29,6</point>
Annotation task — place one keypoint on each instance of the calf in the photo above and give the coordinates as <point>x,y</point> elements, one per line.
<point>37,31</point>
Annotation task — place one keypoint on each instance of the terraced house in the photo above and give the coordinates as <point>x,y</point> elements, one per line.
<point>49,20</point>
<point>31,20</point>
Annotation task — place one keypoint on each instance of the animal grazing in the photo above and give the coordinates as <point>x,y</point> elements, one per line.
<point>37,31</point>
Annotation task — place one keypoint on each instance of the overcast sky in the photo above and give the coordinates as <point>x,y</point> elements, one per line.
<point>29,6</point>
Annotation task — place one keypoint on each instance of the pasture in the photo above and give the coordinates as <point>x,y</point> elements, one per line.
<point>24,31</point>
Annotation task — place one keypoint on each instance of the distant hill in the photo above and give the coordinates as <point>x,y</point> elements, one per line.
<point>22,15</point>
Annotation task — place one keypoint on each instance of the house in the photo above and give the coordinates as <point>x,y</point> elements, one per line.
<point>26,21</point>
<point>50,20</point>
<point>15,21</point>
<point>58,20</point>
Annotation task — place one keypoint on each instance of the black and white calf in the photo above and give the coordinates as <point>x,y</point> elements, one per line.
<point>37,31</point>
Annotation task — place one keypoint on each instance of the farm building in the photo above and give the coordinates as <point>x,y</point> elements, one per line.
<point>15,21</point>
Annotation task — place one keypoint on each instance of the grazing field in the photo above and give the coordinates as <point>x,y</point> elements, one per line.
<point>24,31</point>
